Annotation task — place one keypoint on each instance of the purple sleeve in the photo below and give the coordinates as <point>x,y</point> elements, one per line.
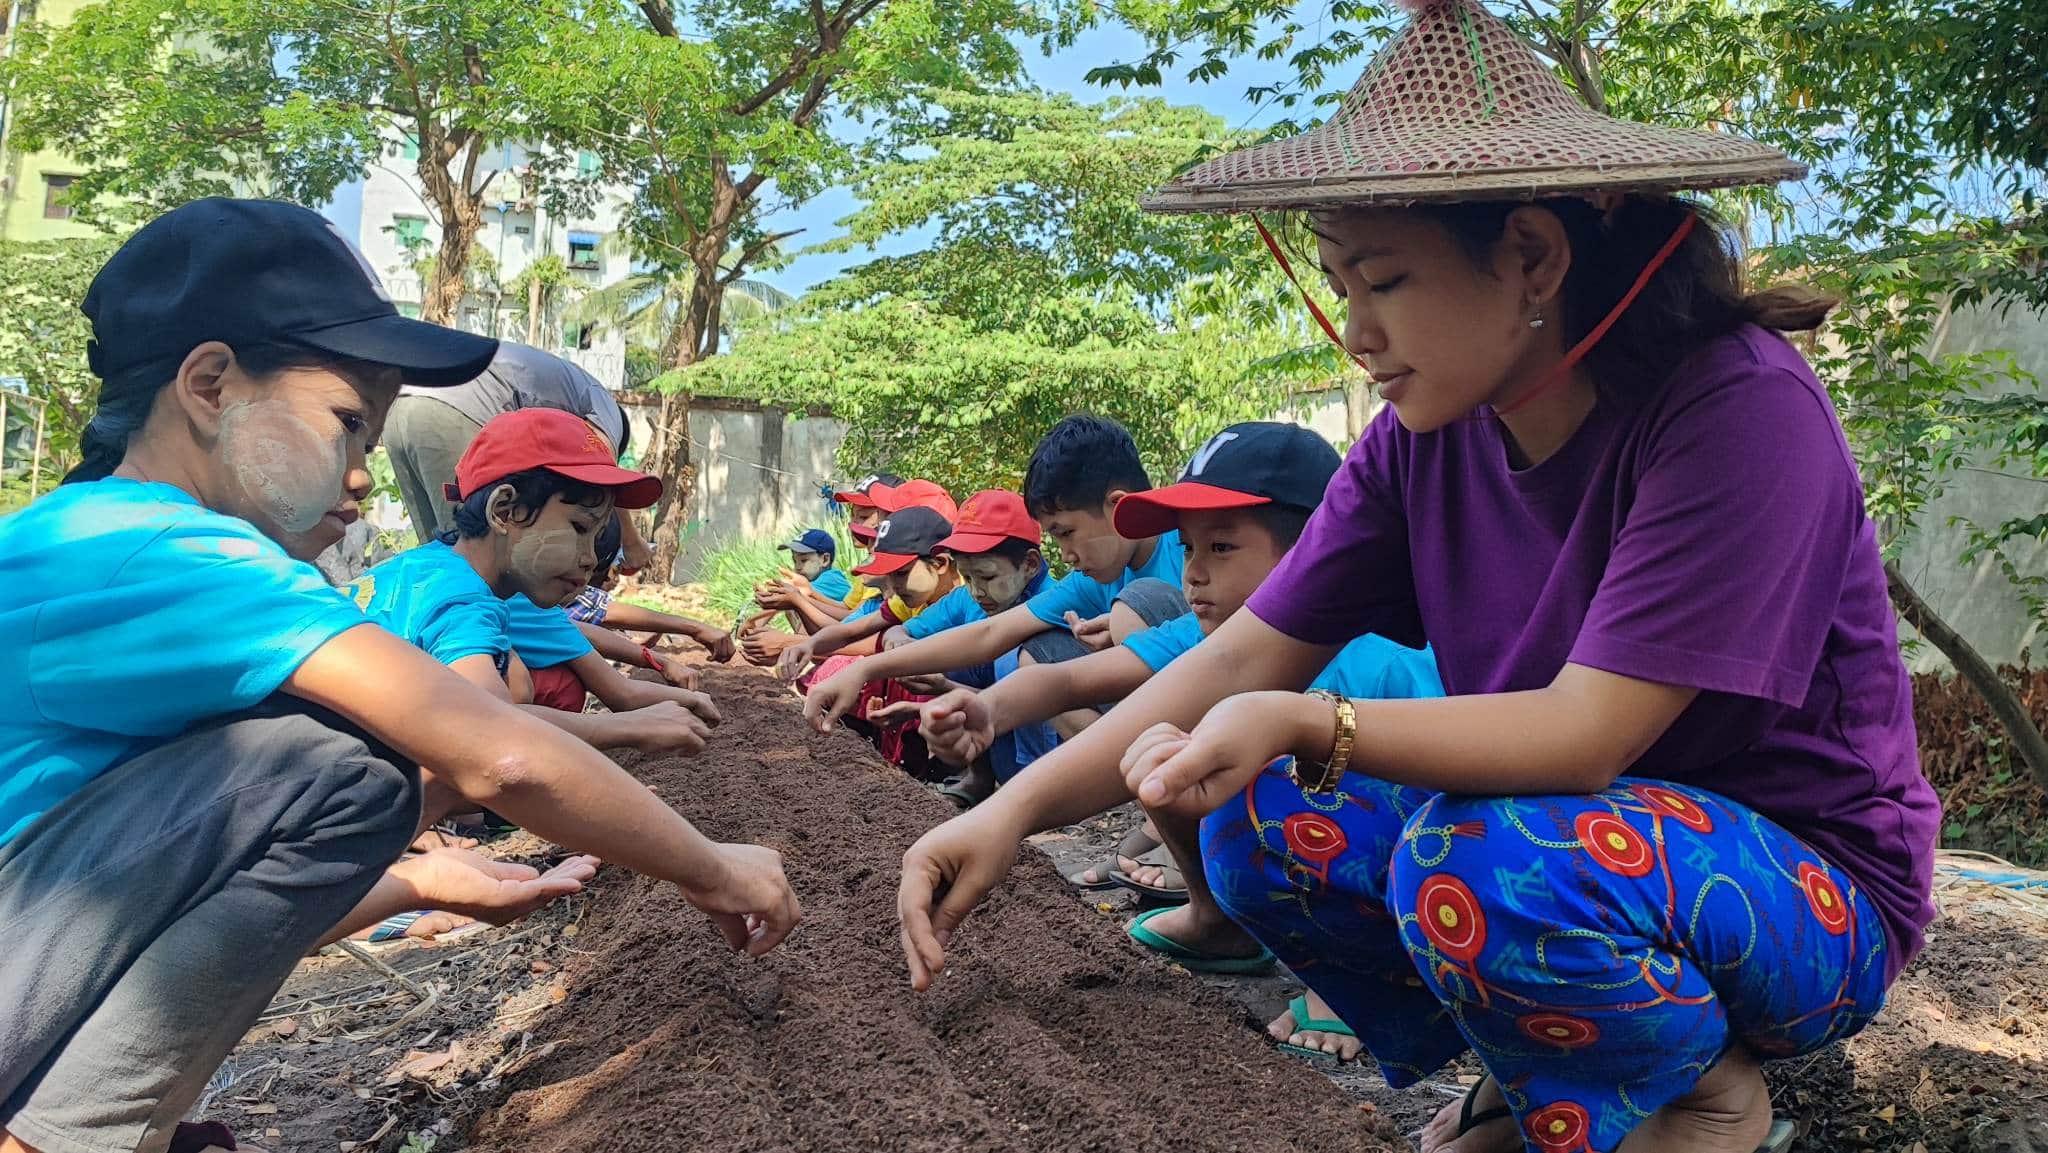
<point>1350,574</point>
<point>1727,570</point>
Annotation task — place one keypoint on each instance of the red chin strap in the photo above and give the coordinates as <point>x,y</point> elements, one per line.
<point>1558,372</point>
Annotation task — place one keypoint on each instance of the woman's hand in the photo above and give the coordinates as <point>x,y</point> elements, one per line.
<point>1194,773</point>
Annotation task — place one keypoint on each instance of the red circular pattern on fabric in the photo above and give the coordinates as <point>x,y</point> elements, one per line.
<point>1561,1127</point>
<point>1614,844</point>
<point>1560,1029</point>
<point>1677,806</point>
<point>1313,837</point>
<point>1450,917</point>
<point>1825,898</point>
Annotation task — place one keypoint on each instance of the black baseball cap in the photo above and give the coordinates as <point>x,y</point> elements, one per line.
<point>907,535</point>
<point>1246,465</point>
<point>259,272</point>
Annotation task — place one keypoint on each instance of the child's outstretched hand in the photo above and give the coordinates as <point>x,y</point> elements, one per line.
<point>794,660</point>
<point>718,643</point>
<point>752,903</point>
<point>1093,632</point>
<point>946,874</point>
<point>1194,773</point>
<point>675,672</point>
<point>832,698</point>
<point>957,727</point>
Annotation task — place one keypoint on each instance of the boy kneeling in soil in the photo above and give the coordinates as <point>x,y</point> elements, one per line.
<point>596,607</point>
<point>1078,473</point>
<point>811,608</point>
<point>1239,506</point>
<point>180,825</point>
<point>995,546</point>
<point>914,571</point>
<point>537,489</point>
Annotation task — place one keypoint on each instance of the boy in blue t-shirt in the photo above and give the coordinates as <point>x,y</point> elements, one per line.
<point>813,555</point>
<point>1078,474</point>
<point>181,822</point>
<point>1239,506</point>
<point>533,492</point>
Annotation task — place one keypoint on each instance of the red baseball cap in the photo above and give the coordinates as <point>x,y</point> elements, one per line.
<point>857,496</point>
<point>989,518</point>
<point>894,498</point>
<point>863,533</point>
<point>554,440</point>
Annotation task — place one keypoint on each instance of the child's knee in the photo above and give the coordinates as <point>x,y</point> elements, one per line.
<point>1124,622</point>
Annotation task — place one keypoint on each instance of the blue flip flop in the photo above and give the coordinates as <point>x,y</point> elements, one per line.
<point>1193,960</point>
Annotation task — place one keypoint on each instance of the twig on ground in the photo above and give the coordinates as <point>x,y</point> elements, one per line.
<point>377,963</point>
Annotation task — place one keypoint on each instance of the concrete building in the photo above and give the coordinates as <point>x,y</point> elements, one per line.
<point>32,184</point>
<point>395,226</point>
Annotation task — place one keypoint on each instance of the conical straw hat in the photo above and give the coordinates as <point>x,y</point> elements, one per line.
<point>1457,107</point>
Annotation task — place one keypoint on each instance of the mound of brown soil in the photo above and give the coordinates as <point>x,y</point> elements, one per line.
<point>1049,1031</point>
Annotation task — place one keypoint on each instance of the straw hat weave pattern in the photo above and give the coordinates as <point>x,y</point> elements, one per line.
<point>1457,107</point>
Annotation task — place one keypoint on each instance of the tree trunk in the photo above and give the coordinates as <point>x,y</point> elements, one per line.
<point>533,310</point>
<point>460,205</point>
<point>2005,704</point>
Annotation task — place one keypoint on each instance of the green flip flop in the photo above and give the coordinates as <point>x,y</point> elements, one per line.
<point>1305,1022</point>
<point>1193,960</point>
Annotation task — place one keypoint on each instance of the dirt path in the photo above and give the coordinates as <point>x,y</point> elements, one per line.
<point>618,1022</point>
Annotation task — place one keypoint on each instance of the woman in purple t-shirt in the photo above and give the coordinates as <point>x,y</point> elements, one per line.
<point>1670,820</point>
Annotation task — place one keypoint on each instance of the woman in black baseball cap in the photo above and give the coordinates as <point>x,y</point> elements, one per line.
<point>207,755</point>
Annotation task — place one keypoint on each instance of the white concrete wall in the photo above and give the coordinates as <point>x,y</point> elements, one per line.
<point>1978,600</point>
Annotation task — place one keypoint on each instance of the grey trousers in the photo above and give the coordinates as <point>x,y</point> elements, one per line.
<point>147,920</point>
<point>425,439</point>
<point>1155,602</point>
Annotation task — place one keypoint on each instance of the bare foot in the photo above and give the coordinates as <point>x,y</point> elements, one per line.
<point>1205,930</point>
<point>1285,1030</point>
<point>459,881</point>
<point>1728,1111</point>
<point>1497,1136</point>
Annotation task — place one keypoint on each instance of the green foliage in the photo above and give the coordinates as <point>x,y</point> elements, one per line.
<point>43,335</point>
<point>1044,292</point>
<point>166,100</point>
<point>729,571</point>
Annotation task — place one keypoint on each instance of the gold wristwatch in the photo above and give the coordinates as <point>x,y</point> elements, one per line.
<point>1340,748</point>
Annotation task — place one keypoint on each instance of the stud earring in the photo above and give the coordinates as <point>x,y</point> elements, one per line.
<point>1536,321</point>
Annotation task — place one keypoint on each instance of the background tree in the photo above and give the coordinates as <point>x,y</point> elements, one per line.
<point>163,101</point>
<point>722,113</point>
<point>43,334</point>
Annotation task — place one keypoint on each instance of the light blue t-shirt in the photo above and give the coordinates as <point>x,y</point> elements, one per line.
<point>832,584</point>
<point>1088,598</point>
<point>132,614</point>
<point>958,608</point>
<point>430,596</point>
<point>1369,668</point>
<point>543,638</point>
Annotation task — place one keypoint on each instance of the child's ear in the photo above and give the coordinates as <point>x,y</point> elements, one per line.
<point>1109,502</point>
<point>198,384</point>
<point>498,509</point>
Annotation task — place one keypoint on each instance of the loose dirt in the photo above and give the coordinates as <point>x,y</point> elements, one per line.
<point>619,1022</point>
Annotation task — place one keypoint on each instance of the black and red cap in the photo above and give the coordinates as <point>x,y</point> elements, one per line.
<point>1257,463</point>
<point>857,494</point>
<point>915,532</point>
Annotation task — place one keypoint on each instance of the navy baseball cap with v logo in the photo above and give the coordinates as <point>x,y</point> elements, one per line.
<point>1246,465</point>
<point>248,272</point>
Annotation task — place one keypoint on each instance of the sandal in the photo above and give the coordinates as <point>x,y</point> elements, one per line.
<point>1172,889</point>
<point>957,790</point>
<point>1194,960</point>
<point>1306,1022</point>
<point>1778,1140</point>
<point>1135,844</point>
